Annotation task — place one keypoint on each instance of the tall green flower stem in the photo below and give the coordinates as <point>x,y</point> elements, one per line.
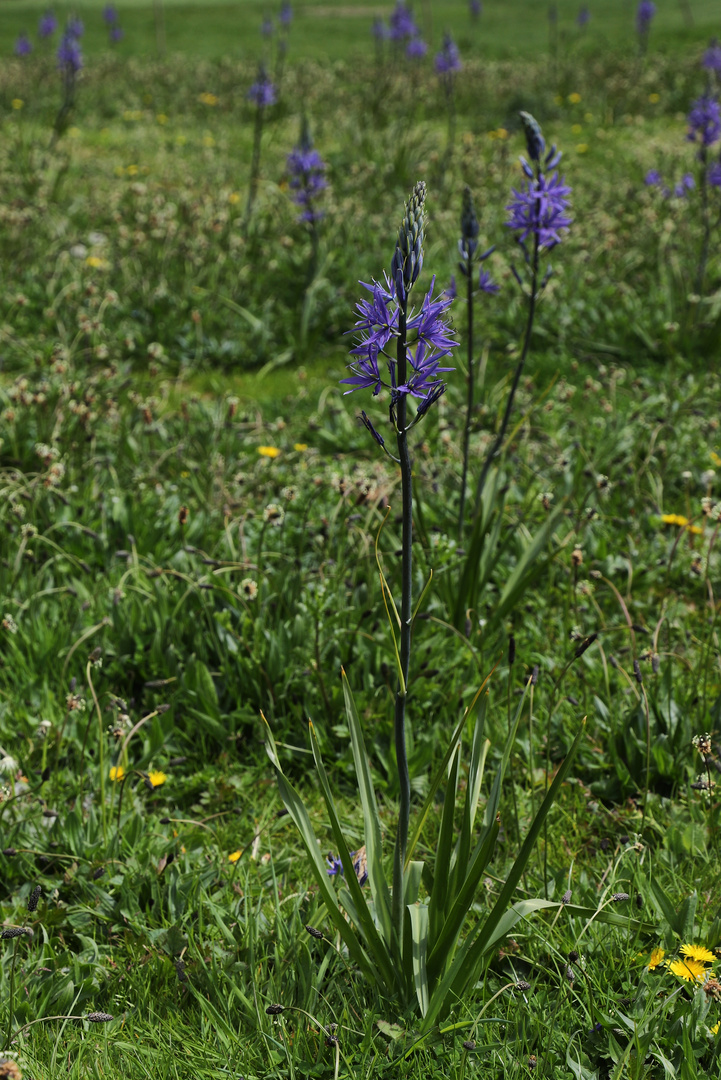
<point>404,781</point>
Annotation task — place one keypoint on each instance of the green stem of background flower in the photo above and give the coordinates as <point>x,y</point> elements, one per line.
<point>498,441</point>
<point>469,404</point>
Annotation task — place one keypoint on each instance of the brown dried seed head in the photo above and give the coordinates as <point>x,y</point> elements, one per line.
<point>315,932</point>
<point>99,1017</point>
<point>34,897</point>
<point>275,1010</point>
<point>9,1070</point>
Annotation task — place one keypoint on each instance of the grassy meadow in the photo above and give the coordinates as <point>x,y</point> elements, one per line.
<point>201,544</point>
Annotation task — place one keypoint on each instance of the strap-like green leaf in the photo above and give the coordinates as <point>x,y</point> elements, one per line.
<point>468,960</point>
<point>442,945</point>
<point>372,940</point>
<point>371,820</point>
<point>438,778</point>
<point>299,814</point>
<point>441,871</point>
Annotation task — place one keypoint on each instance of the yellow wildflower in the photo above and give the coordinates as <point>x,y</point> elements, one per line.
<point>234,198</point>
<point>715,458</point>
<point>96,262</point>
<point>268,451</point>
<point>656,957</point>
<point>582,148</point>
<point>157,778</point>
<point>576,129</point>
<point>654,98</point>
<point>234,856</point>
<point>161,118</point>
<point>674,519</point>
<point>301,447</point>
<point>573,99</point>
<point>698,952</point>
<point>132,170</point>
<point>689,970</point>
<point>716,1028</point>
<point>117,773</point>
<point>17,103</point>
<point>208,140</point>
<point>501,133</point>
<point>208,99</point>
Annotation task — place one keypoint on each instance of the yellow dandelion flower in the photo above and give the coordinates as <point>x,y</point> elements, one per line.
<point>582,148</point>
<point>132,170</point>
<point>689,970</point>
<point>301,447</point>
<point>698,952</point>
<point>234,856</point>
<point>161,118</point>
<point>656,957</point>
<point>576,129</point>
<point>208,99</point>
<point>96,262</point>
<point>234,198</point>
<point>715,458</point>
<point>654,98</point>
<point>117,773</point>
<point>157,778</point>
<point>501,133</point>
<point>268,451</point>
<point>574,99</point>
<point>674,519</point>
<point>17,103</point>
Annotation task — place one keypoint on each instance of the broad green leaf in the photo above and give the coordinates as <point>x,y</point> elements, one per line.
<point>413,877</point>
<point>418,914</point>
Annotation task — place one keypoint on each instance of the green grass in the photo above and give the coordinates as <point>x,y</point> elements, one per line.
<point>140,375</point>
<point>337,30</point>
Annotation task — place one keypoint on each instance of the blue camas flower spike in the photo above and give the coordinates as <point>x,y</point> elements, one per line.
<point>306,176</point>
<point>383,320</point>
<point>262,93</point>
<point>539,208</point>
<point>704,121</point>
